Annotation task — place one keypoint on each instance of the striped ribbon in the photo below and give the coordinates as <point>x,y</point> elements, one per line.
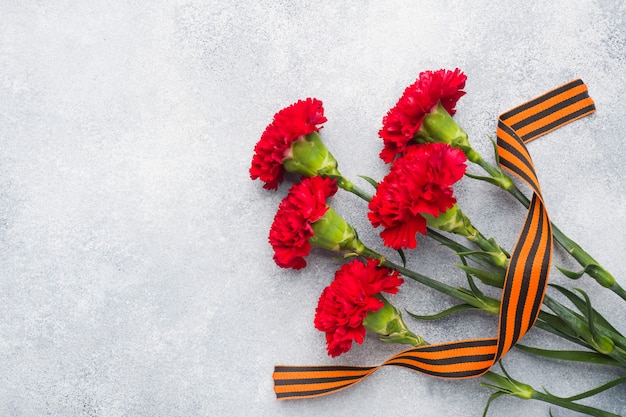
<point>526,276</point>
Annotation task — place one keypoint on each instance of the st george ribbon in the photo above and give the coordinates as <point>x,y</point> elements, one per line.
<point>526,276</point>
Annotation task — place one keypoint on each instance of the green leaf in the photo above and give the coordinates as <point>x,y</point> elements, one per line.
<point>460,249</point>
<point>402,256</point>
<point>495,150</point>
<point>478,253</point>
<point>489,278</point>
<point>580,305</point>
<point>475,290</point>
<point>372,182</point>
<point>445,241</point>
<point>597,390</point>
<point>570,405</point>
<point>571,318</point>
<point>491,398</point>
<point>456,309</point>
<point>571,274</point>
<point>589,313</point>
<point>571,355</point>
<point>553,324</point>
<point>489,180</point>
<point>504,370</point>
<point>593,270</point>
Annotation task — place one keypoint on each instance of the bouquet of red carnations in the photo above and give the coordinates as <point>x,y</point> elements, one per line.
<point>427,153</point>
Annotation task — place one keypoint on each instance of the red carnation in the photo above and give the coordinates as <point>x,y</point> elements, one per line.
<point>292,227</point>
<point>344,304</point>
<point>404,121</point>
<point>289,124</point>
<point>419,182</point>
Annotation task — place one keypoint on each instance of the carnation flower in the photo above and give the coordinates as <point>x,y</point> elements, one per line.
<point>431,90</point>
<point>291,143</point>
<point>418,184</point>
<point>304,219</point>
<point>352,303</point>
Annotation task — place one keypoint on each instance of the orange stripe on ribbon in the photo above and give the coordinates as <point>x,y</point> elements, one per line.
<point>526,276</point>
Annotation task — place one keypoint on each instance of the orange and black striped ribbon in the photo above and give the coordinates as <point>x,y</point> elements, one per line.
<point>526,276</point>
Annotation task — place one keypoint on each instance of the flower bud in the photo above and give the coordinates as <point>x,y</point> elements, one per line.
<point>387,322</point>
<point>332,232</point>
<point>603,344</point>
<point>601,275</point>
<point>309,156</point>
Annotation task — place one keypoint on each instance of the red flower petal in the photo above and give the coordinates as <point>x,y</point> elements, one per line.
<point>343,305</point>
<point>404,120</point>
<point>419,182</point>
<point>298,119</point>
<point>289,234</point>
<point>402,235</point>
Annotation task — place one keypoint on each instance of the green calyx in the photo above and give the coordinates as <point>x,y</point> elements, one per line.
<point>603,344</point>
<point>439,127</point>
<point>508,386</point>
<point>387,322</point>
<point>309,156</point>
<point>453,221</point>
<point>332,232</point>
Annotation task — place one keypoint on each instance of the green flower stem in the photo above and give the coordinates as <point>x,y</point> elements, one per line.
<point>565,324</point>
<point>571,355</point>
<point>501,179</point>
<point>453,220</point>
<point>489,305</point>
<point>592,267</point>
<point>500,268</point>
<point>548,322</point>
<point>570,405</point>
<point>491,247</point>
<point>600,338</point>
<point>565,320</point>
<point>483,261</point>
<point>509,386</point>
<point>346,184</point>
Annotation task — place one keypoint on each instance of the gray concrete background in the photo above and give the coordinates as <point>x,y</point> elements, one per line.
<point>135,274</point>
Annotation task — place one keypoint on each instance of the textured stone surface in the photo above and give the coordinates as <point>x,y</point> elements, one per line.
<point>135,274</point>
